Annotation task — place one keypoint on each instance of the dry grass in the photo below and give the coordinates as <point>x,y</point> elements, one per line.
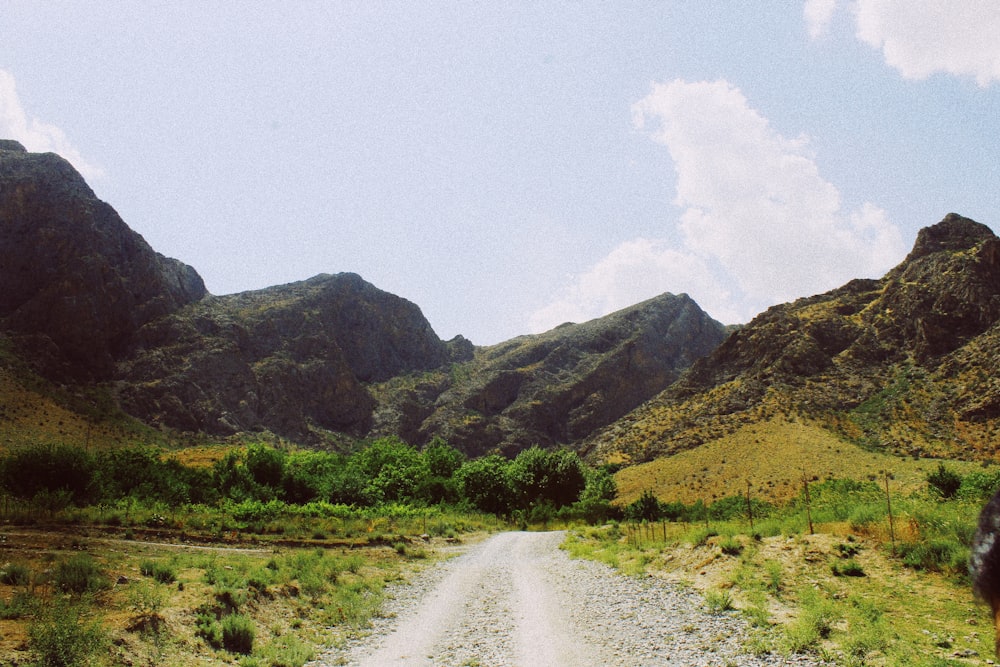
<point>773,455</point>
<point>150,623</point>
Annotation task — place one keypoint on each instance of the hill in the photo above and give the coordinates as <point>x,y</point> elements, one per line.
<point>903,365</point>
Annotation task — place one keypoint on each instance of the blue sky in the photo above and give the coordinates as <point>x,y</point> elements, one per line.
<point>511,166</point>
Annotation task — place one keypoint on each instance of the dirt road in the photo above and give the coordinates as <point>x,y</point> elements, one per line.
<point>517,599</point>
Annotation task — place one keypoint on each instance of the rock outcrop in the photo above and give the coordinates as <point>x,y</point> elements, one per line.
<point>77,282</point>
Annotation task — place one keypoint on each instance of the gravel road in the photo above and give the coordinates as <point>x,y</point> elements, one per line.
<point>517,599</point>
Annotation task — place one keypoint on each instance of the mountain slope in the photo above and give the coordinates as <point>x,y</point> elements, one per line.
<point>289,359</point>
<point>903,364</point>
<point>77,282</point>
<point>553,388</point>
<point>87,300</point>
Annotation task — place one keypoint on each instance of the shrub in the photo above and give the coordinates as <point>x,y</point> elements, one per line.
<point>934,556</point>
<point>208,629</point>
<point>79,575</point>
<point>731,546</point>
<point>945,482</point>
<point>16,574</point>
<point>718,600</point>
<point>64,638</point>
<point>849,568</point>
<point>160,572</point>
<point>238,634</point>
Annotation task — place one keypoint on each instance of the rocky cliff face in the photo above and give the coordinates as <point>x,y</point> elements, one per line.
<point>901,362</point>
<point>553,388</point>
<point>292,359</point>
<point>77,282</point>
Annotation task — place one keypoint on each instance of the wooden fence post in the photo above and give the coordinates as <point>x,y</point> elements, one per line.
<point>888,504</point>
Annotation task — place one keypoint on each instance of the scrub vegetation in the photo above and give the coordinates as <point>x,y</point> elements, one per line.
<point>261,555</point>
<point>847,570</point>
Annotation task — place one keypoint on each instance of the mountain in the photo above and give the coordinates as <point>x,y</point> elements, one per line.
<point>905,364</point>
<point>552,388</point>
<point>86,301</point>
<point>77,282</point>
<point>292,359</point>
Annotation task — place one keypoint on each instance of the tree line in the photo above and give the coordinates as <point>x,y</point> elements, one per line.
<point>537,481</point>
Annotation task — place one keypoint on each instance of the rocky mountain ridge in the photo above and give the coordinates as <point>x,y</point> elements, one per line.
<point>904,364</point>
<point>87,300</point>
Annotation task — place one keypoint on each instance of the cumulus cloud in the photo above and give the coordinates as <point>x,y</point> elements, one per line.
<point>759,224</point>
<point>924,37</point>
<point>34,134</point>
<point>818,14</point>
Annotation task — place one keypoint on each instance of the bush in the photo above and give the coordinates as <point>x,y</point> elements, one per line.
<point>731,546</point>
<point>65,639</point>
<point>79,575</point>
<point>238,634</point>
<point>160,572</point>
<point>15,574</point>
<point>934,556</point>
<point>645,508</point>
<point>849,568</point>
<point>945,482</point>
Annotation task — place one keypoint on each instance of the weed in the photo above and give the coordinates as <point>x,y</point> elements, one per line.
<point>935,556</point>
<point>207,627</point>
<point>15,574</point>
<point>160,572</point>
<point>773,571</point>
<point>731,546</point>
<point>21,605</point>
<point>718,600</point>
<point>849,568</point>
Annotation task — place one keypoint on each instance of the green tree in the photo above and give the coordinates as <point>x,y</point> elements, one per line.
<point>442,461</point>
<point>392,469</point>
<point>645,508</point>
<point>540,475</point>
<point>486,485</point>
<point>597,495</point>
<point>48,470</point>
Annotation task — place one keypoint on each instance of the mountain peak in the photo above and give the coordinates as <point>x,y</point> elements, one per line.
<point>11,145</point>
<point>954,232</point>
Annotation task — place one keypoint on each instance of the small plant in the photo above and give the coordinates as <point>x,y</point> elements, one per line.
<point>20,606</point>
<point>731,546</point>
<point>849,568</point>
<point>848,549</point>
<point>718,600</point>
<point>79,575</point>
<point>16,574</point>
<point>160,572</point>
<point>207,627</point>
<point>238,634</point>
<point>773,570</point>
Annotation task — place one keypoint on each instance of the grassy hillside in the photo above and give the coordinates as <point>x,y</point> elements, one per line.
<point>773,455</point>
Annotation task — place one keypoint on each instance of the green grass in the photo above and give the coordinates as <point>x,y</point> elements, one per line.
<point>849,594</point>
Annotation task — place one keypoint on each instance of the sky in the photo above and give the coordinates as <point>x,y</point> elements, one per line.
<point>510,166</point>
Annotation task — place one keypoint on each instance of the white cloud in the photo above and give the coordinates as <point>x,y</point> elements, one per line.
<point>35,135</point>
<point>818,14</point>
<point>760,225</point>
<point>924,37</point>
<point>634,271</point>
